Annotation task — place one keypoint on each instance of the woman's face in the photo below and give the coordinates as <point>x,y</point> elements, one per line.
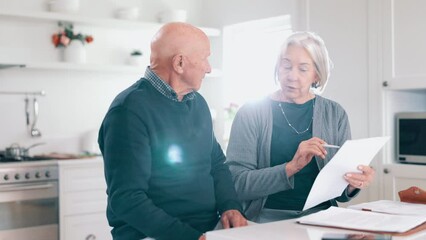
<point>296,73</point>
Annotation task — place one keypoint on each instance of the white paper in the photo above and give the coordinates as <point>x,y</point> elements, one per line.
<point>392,207</point>
<point>330,183</point>
<point>362,220</point>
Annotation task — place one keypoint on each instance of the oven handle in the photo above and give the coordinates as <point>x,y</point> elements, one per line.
<point>24,187</point>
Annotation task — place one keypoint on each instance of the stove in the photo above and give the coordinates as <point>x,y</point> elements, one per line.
<point>29,192</point>
<point>22,174</point>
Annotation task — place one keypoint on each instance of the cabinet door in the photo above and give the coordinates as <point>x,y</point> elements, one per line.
<point>87,227</point>
<point>399,177</point>
<point>82,189</point>
<point>403,41</point>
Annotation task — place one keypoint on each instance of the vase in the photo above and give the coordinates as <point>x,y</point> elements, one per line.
<point>75,52</point>
<point>64,6</point>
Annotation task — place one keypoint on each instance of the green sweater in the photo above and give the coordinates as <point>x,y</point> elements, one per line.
<point>164,169</point>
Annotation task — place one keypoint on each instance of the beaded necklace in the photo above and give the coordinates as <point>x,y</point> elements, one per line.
<point>291,126</point>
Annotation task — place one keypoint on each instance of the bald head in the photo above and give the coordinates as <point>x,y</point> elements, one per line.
<point>175,38</point>
<point>179,56</point>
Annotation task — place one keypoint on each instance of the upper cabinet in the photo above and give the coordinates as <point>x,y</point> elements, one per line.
<point>402,79</point>
<point>404,45</point>
<point>404,75</point>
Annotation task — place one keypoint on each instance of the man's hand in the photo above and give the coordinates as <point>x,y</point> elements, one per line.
<point>232,219</point>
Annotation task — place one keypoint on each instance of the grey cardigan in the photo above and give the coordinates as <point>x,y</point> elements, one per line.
<point>248,152</point>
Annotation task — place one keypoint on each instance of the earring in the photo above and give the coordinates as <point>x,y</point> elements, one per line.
<point>315,85</point>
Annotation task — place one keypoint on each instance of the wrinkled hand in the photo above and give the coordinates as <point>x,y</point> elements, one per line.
<point>360,180</point>
<point>202,237</point>
<point>233,218</point>
<point>304,154</point>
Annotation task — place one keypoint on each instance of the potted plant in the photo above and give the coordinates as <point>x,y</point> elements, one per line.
<point>136,57</point>
<point>72,43</point>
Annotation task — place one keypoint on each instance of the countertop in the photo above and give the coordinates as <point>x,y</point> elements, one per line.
<point>50,162</point>
<point>288,230</point>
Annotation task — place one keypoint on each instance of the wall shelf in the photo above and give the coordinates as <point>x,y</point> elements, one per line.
<point>64,66</point>
<point>90,21</point>
<point>101,22</point>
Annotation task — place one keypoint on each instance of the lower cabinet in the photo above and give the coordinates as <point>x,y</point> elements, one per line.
<point>87,227</point>
<point>399,177</point>
<point>82,200</point>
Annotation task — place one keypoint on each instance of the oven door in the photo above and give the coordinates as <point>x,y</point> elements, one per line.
<point>29,211</point>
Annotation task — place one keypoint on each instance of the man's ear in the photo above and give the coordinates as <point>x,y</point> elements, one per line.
<point>178,63</point>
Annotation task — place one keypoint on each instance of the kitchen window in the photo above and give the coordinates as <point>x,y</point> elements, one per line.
<point>249,54</point>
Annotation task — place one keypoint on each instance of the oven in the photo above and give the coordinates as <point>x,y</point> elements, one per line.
<point>29,202</point>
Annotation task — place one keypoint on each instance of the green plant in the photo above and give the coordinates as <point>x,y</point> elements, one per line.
<point>65,36</point>
<point>136,53</point>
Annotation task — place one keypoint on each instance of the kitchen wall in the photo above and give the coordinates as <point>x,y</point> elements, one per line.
<point>344,27</point>
<point>75,101</point>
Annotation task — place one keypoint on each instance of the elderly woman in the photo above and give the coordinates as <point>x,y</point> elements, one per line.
<point>276,147</point>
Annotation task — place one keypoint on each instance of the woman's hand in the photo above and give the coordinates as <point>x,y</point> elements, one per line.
<point>360,180</point>
<point>304,154</point>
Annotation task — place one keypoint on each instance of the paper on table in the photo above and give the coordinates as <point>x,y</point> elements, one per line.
<point>362,220</point>
<point>330,182</point>
<point>392,207</point>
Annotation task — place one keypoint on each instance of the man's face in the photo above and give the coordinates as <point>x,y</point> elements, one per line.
<point>196,66</point>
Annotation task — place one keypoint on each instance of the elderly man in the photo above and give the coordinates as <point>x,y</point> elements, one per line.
<point>164,168</point>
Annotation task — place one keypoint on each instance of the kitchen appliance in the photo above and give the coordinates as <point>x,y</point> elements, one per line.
<point>29,201</point>
<point>411,137</point>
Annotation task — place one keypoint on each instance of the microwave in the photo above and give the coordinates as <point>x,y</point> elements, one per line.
<point>411,137</point>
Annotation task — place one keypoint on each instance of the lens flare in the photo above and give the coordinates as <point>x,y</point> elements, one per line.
<point>174,154</point>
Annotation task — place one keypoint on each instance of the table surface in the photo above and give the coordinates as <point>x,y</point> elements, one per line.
<point>288,230</point>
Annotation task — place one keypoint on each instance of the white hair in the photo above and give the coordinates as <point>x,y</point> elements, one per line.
<point>315,47</point>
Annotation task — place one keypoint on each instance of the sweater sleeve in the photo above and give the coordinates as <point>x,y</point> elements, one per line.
<point>246,145</point>
<point>127,157</point>
<point>226,197</point>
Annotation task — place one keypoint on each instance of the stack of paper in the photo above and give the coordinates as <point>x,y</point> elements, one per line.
<point>363,220</point>
<point>392,207</point>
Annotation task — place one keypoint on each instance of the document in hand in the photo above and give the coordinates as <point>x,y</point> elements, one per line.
<point>330,183</point>
<point>392,207</point>
<point>363,220</point>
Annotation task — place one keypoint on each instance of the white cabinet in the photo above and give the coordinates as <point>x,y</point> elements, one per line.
<point>86,227</point>
<point>82,200</point>
<point>398,177</point>
<point>398,42</point>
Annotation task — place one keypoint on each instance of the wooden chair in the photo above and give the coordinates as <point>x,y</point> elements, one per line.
<point>413,195</point>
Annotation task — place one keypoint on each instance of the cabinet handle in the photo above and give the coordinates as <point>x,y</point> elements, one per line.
<point>386,171</point>
<point>385,83</point>
<point>91,237</point>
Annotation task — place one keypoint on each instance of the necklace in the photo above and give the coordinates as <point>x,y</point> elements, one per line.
<point>291,126</point>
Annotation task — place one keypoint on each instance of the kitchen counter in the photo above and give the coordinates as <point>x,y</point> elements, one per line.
<point>288,230</point>
<point>49,162</point>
